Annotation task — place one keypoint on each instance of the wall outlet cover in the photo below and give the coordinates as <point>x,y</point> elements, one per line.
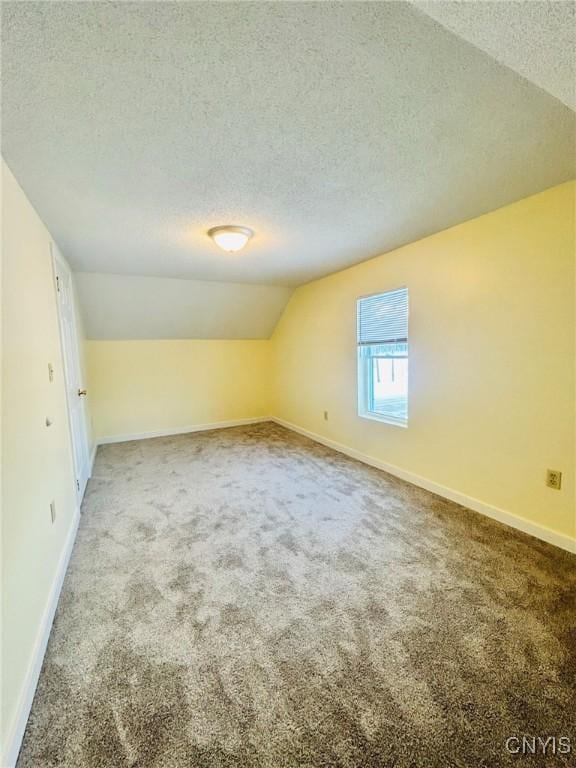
<point>554,479</point>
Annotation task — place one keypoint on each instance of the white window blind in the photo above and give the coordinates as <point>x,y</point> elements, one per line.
<point>383,318</point>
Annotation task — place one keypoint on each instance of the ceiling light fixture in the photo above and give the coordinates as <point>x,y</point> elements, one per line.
<point>230,238</point>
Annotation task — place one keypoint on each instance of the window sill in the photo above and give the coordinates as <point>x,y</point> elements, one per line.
<point>383,419</point>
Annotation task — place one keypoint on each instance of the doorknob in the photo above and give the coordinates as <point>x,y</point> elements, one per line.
<point>82,392</point>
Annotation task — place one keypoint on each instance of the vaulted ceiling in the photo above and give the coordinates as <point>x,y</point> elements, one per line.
<point>337,131</point>
<point>135,307</point>
<point>537,39</point>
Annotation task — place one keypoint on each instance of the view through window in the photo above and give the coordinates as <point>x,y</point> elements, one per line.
<point>383,356</point>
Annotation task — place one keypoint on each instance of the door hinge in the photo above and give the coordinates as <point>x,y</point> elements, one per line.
<point>78,484</point>
<point>57,283</point>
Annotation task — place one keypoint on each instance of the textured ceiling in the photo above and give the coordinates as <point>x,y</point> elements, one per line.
<point>537,39</point>
<point>336,130</point>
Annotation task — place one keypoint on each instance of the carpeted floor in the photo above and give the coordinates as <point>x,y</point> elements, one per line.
<point>245,597</point>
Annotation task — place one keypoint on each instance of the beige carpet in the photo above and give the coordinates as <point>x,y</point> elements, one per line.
<point>245,597</point>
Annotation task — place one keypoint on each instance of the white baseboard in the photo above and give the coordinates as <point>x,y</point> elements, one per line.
<point>520,523</point>
<point>181,430</point>
<point>18,726</point>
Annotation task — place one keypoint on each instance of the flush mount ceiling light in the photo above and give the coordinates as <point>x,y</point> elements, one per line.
<point>230,238</point>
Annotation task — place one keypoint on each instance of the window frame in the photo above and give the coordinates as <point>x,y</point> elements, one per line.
<point>364,392</point>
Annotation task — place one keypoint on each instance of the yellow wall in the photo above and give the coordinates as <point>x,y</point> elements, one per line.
<point>36,460</point>
<point>146,386</point>
<point>491,358</point>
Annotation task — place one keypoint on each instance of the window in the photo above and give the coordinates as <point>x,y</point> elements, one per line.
<point>383,356</point>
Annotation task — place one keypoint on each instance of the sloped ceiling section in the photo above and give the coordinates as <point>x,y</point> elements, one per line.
<point>336,130</point>
<point>125,307</point>
<point>536,38</point>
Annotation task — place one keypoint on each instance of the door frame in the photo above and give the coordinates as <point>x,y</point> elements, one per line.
<point>59,265</point>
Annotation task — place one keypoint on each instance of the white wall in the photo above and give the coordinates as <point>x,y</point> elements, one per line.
<point>127,307</point>
<point>36,459</point>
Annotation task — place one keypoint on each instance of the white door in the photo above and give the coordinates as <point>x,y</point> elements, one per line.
<point>75,389</point>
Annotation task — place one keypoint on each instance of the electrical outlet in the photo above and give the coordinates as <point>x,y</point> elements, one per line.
<point>554,479</point>
<point>53,511</point>
<point>325,415</point>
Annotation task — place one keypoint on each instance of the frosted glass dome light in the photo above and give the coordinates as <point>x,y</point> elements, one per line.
<point>230,238</point>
